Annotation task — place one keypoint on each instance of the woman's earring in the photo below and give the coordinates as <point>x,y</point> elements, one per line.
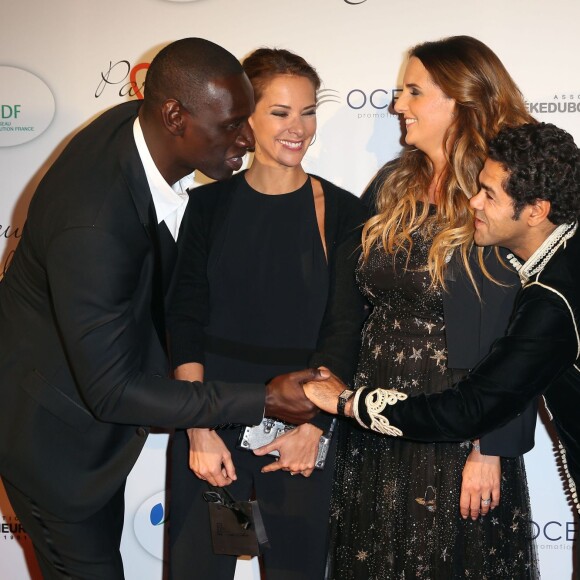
<point>313,141</point>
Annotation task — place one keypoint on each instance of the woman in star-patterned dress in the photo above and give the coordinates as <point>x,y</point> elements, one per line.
<point>395,511</point>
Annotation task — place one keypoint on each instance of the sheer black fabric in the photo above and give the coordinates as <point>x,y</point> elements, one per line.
<point>395,505</point>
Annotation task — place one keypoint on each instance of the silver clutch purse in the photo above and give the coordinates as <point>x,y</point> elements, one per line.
<point>270,429</point>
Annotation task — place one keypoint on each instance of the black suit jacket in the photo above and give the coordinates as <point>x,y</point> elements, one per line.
<point>82,369</point>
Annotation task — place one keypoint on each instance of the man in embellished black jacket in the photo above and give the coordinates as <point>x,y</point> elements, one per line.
<point>529,202</point>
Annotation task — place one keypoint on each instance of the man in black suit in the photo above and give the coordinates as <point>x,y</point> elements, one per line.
<point>82,358</point>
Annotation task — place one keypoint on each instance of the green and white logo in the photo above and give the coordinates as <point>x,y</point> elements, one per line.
<point>26,106</point>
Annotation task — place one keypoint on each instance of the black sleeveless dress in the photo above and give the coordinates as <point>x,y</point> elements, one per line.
<point>395,505</point>
<point>268,284</point>
<point>268,288</point>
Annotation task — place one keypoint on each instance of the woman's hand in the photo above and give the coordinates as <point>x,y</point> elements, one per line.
<point>298,450</point>
<point>209,458</point>
<point>480,486</point>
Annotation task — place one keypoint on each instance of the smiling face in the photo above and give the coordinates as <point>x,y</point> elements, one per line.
<point>216,133</point>
<point>284,122</point>
<point>495,222</point>
<point>427,111</point>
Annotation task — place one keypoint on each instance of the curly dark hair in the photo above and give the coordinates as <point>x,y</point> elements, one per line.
<point>542,162</point>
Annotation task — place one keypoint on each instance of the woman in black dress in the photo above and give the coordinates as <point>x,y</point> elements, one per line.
<point>266,286</point>
<point>396,504</point>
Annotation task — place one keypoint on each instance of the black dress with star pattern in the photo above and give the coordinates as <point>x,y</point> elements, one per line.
<point>395,505</point>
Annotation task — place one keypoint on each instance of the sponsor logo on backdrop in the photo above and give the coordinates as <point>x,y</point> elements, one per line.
<point>11,529</point>
<point>121,77</point>
<point>7,232</point>
<point>5,262</point>
<point>149,522</point>
<point>327,96</point>
<point>554,534</point>
<point>366,103</point>
<point>26,106</point>
<point>558,103</point>
<point>355,1</point>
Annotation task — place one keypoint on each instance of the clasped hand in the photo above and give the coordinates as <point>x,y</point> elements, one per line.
<point>285,397</point>
<point>298,448</point>
<point>324,390</point>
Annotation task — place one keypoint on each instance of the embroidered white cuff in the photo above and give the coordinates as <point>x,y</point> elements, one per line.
<point>376,402</point>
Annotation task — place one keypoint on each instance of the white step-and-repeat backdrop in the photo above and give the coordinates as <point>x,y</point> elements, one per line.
<point>64,61</point>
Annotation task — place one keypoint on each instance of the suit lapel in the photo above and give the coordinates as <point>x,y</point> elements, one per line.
<point>134,175</point>
<point>136,180</point>
<point>157,295</point>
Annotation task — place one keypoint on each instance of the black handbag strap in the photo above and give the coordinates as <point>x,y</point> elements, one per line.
<point>222,496</point>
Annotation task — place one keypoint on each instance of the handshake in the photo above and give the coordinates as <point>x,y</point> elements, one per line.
<point>297,397</point>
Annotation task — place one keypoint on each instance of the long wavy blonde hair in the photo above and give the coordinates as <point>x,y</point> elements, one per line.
<point>486,100</point>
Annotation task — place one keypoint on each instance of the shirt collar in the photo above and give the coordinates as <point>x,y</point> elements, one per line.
<point>167,199</point>
<point>538,260</point>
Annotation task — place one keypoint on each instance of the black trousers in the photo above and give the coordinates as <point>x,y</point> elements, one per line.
<point>86,550</point>
<point>294,509</point>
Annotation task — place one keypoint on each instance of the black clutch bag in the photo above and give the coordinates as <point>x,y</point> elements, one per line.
<point>237,527</point>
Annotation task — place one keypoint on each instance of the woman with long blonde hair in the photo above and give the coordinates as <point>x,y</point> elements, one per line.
<point>402,509</point>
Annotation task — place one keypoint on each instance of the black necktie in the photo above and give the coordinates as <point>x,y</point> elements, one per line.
<point>168,251</point>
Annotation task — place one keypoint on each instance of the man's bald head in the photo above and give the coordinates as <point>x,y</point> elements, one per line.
<point>183,69</point>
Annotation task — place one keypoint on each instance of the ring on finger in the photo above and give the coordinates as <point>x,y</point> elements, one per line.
<point>486,501</point>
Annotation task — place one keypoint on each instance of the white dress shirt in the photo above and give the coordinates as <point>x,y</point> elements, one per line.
<point>170,201</point>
